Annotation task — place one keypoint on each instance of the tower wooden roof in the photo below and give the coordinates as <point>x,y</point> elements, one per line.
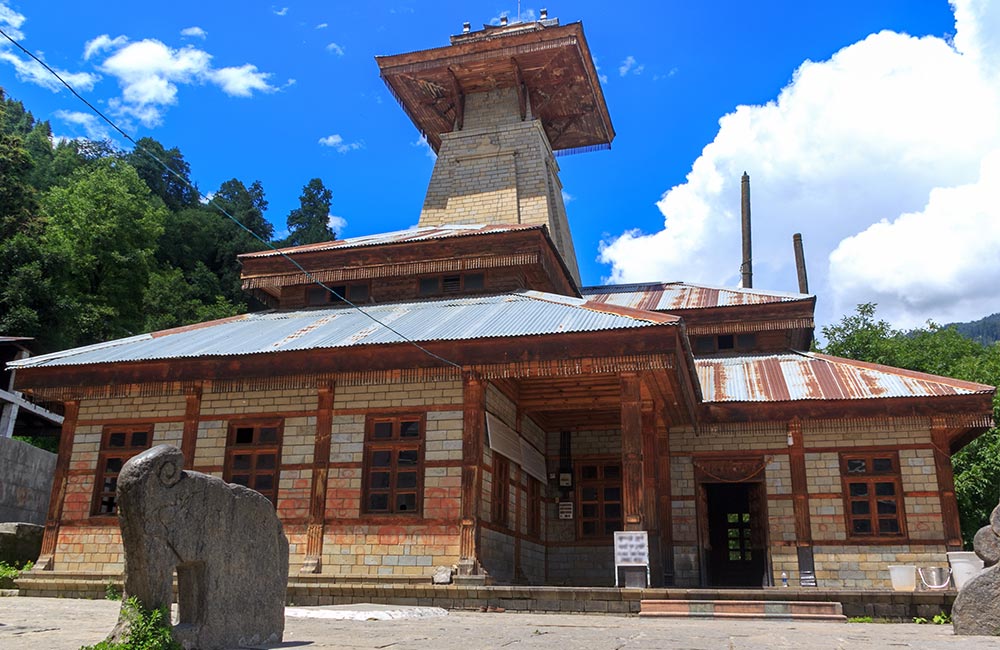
<point>547,63</point>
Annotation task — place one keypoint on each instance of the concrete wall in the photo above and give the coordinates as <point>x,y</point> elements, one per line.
<point>26,482</point>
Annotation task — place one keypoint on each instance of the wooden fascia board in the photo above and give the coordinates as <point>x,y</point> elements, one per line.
<point>790,310</point>
<point>580,345</point>
<point>975,405</point>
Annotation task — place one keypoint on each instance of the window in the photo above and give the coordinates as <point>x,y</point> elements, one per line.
<point>501,490</point>
<point>118,444</point>
<point>316,295</point>
<point>534,507</point>
<point>438,284</point>
<point>599,490</point>
<point>252,453</point>
<point>723,343</point>
<point>738,536</point>
<point>393,467</point>
<point>873,496</point>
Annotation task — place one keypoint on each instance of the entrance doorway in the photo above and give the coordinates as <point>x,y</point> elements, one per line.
<point>736,550</point>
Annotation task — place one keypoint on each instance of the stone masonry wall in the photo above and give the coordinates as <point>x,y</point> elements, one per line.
<point>27,481</point>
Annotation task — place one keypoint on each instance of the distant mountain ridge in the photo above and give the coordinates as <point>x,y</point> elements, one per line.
<point>985,330</point>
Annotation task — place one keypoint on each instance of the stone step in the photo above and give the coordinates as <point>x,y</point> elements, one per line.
<point>750,609</point>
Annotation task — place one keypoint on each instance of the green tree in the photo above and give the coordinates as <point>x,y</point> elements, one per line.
<point>104,223</point>
<point>175,189</point>
<point>310,222</point>
<point>941,351</point>
<point>247,205</point>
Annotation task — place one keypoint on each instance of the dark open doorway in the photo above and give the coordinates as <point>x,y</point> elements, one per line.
<point>736,553</point>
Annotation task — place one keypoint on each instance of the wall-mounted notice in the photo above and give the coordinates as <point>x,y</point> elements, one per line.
<point>631,550</point>
<point>565,509</point>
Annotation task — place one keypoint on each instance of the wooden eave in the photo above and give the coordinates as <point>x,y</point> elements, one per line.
<point>530,249</point>
<point>553,63</point>
<point>730,319</point>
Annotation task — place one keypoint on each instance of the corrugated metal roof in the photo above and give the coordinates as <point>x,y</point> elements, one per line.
<point>507,315</point>
<point>810,376</point>
<point>398,237</point>
<point>670,296</point>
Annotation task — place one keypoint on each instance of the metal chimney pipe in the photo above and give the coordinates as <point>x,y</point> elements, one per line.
<point>746,269</point>
<point>800,263</point>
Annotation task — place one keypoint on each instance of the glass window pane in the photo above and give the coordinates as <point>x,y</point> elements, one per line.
<point>888,526</point>
<point>428,286</point>
<point>408,457</point>
<point>734,556</point>
<point>382,430</point>
<point>589,511</point>
<point>359,292</point>
<point>746,556</point>
<point>858,489</point>
<point>860,508</point>
<point>406,480</point>
<point>473,281</point>
<point>734,543</point>
<point>588,494</point>
<point>881,465</point>
<point>378,502</point>
<point>266,461</point>
<point>116,440</point>
<point>612,494</point>
<point>588,472</point>
<point>746,517</point>
<point>244,435</point>
<point>589,528</point>
<point>733,518</point>
<point>381,458</point>
<point>885,489</point>
<point>409,429</point>
<point>242,461</point>
<point>612,511</point>
<point>110,484</point>
<point>612,471</point>
<point>140,438</point>
<point>107,505</point>
<point>886,506</point>
<point>406,502</point>
<point>861,526</point>
<point>378,480</point>
<point>611,526</point>
<point>268,435</point>
<point>857,466</point>
<point>263,482</point>
<point>733,532</point>
<point>113,465</point>
<point>241,479</point>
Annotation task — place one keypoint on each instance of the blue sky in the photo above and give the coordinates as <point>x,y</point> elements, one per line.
<point>867,125</point>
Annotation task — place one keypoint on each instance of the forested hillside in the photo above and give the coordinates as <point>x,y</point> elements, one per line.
<point>985,330</point>
<point>98,243</point>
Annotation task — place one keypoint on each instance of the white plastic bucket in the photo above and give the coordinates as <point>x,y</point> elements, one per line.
<point>903,576</point>
<point>964,565</point>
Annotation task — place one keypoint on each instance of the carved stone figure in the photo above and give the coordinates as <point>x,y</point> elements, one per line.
<point>977,607</point>
<point>224,541</point>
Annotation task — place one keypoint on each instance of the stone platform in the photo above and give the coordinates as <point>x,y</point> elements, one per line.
<point>755,609</point>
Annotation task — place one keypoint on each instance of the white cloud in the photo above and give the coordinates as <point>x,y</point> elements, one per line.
<point>322,26</point>
<point>421,142</point>
<point>11,22</point>
<point>337,224</point>
<point>603,78</point>
<point>875,135</point>
<point>336,49</point>
<point>32,72</point>
<point>150,72</point>
<point>630,65</point>
<point>194,32</point>
<point>337,143</point>
<point>101,44</point>
<point>527,15</point>
<point>92,126</point>
<point>566,197</point>
<point>281,12</point>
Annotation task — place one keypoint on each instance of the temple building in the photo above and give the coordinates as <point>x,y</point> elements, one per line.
<point>451,395</point>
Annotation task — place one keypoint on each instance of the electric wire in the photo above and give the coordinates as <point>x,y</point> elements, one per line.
<point>211,201</point>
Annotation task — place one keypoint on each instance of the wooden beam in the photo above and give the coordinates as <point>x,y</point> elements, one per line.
<point>473,426</point>
<point>522,90</point>
<point>59,482</point>
<point>189,436</point>
<point>632,492</point>
<point>459,100</point>
<point>940,438</point>
<point>800,488</point>
<point>320,472</point>
<point>20,402</point>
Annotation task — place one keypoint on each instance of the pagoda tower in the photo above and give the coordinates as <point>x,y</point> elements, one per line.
<point>496,105</point>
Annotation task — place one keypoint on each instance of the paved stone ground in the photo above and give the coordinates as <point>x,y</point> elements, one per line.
<point>57,624</point>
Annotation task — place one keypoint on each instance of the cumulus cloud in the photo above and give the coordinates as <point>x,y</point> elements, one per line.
<point>336,49</point>
<point>421,143</point>
<point>91,125</point>
<point>11,22</point>
<point>883,151</point>
<point>150,72</point>
<point>194,32</point>
<point>527,15</point>
<point>337,224</point>
<point>601,76</point>
<point>630,65</point>
<point>281,12</point>
<point>337,143</point>
<point>102,43</point>
<point>30,70</point>
<point>322,26</point>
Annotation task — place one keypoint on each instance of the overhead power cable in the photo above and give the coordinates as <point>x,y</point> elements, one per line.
<point>211,201</point>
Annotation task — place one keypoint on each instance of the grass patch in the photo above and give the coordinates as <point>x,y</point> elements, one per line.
<point>10,572</point>
<point>148,630</point>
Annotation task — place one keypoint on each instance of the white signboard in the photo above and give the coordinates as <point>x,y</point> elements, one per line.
<point>631,549</point>
<point>565,509</point>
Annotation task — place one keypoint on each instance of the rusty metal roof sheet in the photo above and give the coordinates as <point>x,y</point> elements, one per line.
<point>398,237</point>
<point>507,315</point>
<point>811,376</point>
<point>671,296</point>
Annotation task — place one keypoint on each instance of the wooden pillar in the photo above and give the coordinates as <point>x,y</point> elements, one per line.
<point>631,420</point>
<point>800,489</point>
<point>58,496</point>
<point>474,420</point>
<point>650,466</point>
<point>320,471</point>
<point>665,510</point>
<point>940,438</point>
<point>192,412</point>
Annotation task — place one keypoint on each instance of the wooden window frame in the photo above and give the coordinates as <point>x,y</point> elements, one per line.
<point>870,477</point>
<point>124,453</point>
<point>440,282</point>
<point>601,482</point>
<point>345,290</point>
<point>501,491</point>
<point>254,449</point>
<point>394,444</point>
<point>534,497</point>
